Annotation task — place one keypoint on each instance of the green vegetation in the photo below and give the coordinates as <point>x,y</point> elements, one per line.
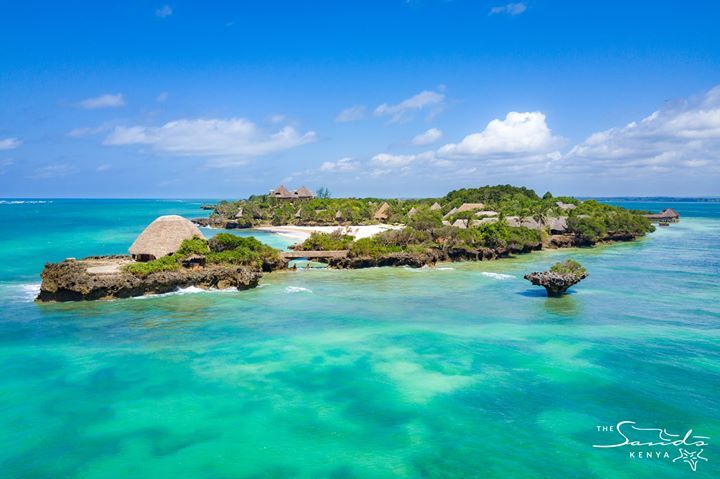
<point>223,248</point>
<point>569,266</point>
<point>592,221</point>
<point>326,242</point>
<point>166,263</point>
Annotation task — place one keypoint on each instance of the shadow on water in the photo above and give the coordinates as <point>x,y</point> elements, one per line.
<point>566,305</point>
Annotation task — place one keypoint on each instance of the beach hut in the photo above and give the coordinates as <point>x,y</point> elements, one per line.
<point>565,206</point>
<point>303,194</point>
<point>463,224</point>
<point>470,207</point>
<point>435,207</point>
<point>668,215</point>
<point>412,212</point>
<point>382,213</point>
<point>281,193</point>
<point>557,225</point>
<point>163,237</point>
<point>486,213</point>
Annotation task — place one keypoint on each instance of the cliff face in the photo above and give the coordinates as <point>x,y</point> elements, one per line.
<point>70,280</point>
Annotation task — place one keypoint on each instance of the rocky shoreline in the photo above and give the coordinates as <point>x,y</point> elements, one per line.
<point>102,277</point>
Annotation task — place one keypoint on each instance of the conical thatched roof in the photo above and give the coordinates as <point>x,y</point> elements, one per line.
<point>382,212</point>
<point>412,212</point>
<point>164,236</point>
<point>281,192</point>
<point>470,207</point>
<point>304,193</point>
<point>435,206</point>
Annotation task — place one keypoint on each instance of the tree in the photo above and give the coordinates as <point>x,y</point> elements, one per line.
<point>323,192</point>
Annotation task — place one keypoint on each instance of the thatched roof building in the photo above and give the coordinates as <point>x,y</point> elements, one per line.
<point>470,207</point>
<point>163,237</point>
<point>283,193</point>
<point>382,213</point>
<point>435,207</point>
<point>530,223</point>
<point>459,223</point>
<point>565,206</point>
<point>668,214</point>
<point>413,211</point>
<point>486,213</point>
<point>557,225</point>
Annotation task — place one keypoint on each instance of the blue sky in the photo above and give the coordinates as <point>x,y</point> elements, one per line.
<point>393,97</point>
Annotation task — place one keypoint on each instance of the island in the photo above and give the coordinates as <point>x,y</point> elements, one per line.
<point>471,224</point>
<point>558,279</point>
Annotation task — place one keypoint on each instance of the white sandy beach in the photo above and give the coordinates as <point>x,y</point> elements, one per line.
<point>303,232</point>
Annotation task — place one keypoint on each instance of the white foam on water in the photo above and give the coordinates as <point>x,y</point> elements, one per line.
<point>445,268</point>
<point>23,202</point>
<point>297,289</point>
<point>498,276</point>
<point>184,291</point>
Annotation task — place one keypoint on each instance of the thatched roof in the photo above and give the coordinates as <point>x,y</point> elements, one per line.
<point>557,225</point>
<point>470,207</point>
<point>450,213</point>
<point>164,236</point>
<point>382,212</point>
<point>239,213</point>
<point>460,224</point>
<point>516,222</point>
<point>435,206</point>
<point>669,213</point>
<point>281,192</point>
<point>486,213</point>
<point>565,206</point>
<point>413,211</point>
<point>303,192</point>
<point>338,215</point>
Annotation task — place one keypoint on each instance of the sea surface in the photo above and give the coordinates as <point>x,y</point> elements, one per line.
<point>459,371</point>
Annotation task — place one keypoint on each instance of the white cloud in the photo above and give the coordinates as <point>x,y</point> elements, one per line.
<point>223,140</point>
<point>392,161</point>
<point>164,11</point>
<point>103,167</point>
<point>430,136</point>
<point>9,144</point>
<point>509,9</point>
<point>162,97</point>
<point>278,118</point>
<point>342,165</point>
<point>52,171</point>
<point>406,108</point>
<point>104,101</point>
<point>354,113</point>
<point>683,137</point>
<point>517,134</point>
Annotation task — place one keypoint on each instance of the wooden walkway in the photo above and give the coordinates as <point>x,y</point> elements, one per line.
<point>314,254</point>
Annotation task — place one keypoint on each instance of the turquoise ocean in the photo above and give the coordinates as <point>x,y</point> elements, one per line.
<point>458,371</point>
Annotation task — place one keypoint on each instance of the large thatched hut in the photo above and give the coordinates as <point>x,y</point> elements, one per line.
<point>163,237</point>
<point>382,213</point>
<point>666,215</point>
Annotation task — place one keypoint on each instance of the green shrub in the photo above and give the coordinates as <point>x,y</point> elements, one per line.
<point>193,246</point>
<point>166,263</point>
<point>326,242</point>
<point>569,266</point>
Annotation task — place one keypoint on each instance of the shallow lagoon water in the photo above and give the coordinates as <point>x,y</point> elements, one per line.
<point>462,370</point>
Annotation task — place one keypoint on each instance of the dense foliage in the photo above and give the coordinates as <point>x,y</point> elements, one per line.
<point>224,248</point>
<point>593,221</point>
<point>569,266</point>
<point>326,242</point>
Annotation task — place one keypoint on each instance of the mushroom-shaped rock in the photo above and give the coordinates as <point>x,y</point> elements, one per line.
<point>559,277</point>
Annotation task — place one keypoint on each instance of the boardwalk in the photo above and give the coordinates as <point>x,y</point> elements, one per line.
<point>314,254</point>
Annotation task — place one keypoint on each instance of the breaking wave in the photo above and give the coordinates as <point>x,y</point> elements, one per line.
<point>498,276</point>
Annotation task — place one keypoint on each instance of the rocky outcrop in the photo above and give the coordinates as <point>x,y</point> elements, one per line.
<point>222,223</point>
<point>555,284</point>
<point>73,280</point>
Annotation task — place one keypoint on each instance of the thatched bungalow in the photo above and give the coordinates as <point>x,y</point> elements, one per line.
<point>565,206</point>
<point>470,207</point>
<point>382,213</point>
<point>163,237</point>
<point>413,211</point>
<point>282,193</point>
<point>486,213</point>
<point>460,223</point>
<point>435,207</point>
<point>668,215</point>
<point>557,225</point>
<point>516,221</point>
